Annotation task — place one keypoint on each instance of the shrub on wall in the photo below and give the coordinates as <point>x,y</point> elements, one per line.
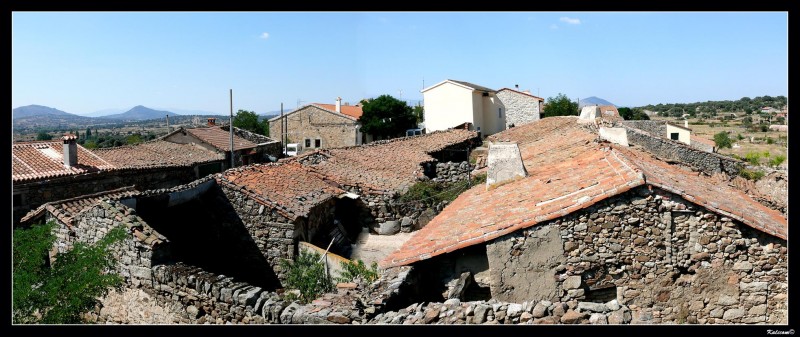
<point>307,275</point>
<point>354,270</point>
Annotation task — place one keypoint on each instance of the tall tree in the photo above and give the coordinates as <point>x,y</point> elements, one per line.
<point>43,136</point>
<point>561,105</point>
<point>386,116</point>
<point>248,120</point>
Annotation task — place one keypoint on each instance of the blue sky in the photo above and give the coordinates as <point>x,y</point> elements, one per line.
<point>81,62</point>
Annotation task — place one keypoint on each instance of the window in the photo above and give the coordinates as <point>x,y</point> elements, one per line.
<point>673,136</point>
<point>499,112</point>
<point>317,142</point>
<point>308,142</point>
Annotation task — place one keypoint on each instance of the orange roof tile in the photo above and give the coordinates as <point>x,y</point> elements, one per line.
<point>699,139</point>
<point>288,186</point>
<point>220,139</point>
<point>567,171</point>
<point>354,111</point>
<point>157,153</point>
<point>39,160</point>
<point>65,210</point>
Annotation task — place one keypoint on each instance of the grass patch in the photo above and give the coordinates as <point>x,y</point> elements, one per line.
<point>753,175</point>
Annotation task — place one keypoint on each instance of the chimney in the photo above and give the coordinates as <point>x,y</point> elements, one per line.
<point>70,150</point>
<point>338,104</point>
<point>212,121</point>
<point>516,86</point>
<point>686,123</point>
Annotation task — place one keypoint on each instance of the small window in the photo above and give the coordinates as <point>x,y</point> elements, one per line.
<point>317,142</point>
<point>308,142</point>
<point>673,136</point>
<point>499,112</point>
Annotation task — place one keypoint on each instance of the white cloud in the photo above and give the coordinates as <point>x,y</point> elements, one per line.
<point>264,35</point>
<point>570,20</point>
<point>554,26</point>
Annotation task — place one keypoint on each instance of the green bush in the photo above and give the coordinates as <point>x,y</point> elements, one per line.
<point>61,292</point>
<point>721,140</point>
<point>777,160</point>
<point>753,175</point>
<point>307,274</point>
<point>770,140</point>
<point>430,193</point>
<point>752,158</point>
<point>357,269</point>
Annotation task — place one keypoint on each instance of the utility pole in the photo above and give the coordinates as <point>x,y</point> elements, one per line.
<point>167,123</point>
<point>230,126</point>
<point>283,131</point>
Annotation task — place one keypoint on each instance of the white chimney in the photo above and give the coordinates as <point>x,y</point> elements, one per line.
<point>338,104</point>
<point>70,150</point>
<point>686,123</point>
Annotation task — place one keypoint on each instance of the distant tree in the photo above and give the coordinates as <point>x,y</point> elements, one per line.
<point>90,145</point>
<point>386,116</point>
<point>561,105</point>
<point>88,133</point>
<point>248,120</point>
<point>44,136</point>
<point>133,139</point>
<point>722,140</point>
<point>264,127</point>
<point>61,292</point>
<point>419,113</point>
<point>626,113</point>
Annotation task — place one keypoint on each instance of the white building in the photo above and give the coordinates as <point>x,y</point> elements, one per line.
<point>451,103</point>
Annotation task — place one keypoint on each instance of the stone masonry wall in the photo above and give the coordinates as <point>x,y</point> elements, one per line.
<point>667,149</point>
<point>272,232</point>
<point>38,193</point>
<point>668,260</point>
<point>136,254</point>
<point>519,108</point>
<point>270,147</point>
<point>654,128</point>
<point>313,123</point>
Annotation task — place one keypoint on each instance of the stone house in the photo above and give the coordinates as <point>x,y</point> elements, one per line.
<point>521,106</point>
<point>249,148</point>
<point>320,126</point>
<point>50,171</point>
<point>597,222</point>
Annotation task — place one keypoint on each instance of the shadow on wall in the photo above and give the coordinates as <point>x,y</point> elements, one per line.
<point>208,233</point>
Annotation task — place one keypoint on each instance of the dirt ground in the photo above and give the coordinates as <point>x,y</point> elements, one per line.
<point>374,248</point>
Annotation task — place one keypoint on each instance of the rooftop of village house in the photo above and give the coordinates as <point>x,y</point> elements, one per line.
<point>157,153</point>
<point>65,210</point>
<point>568,171</point>
<point>389,165</point>
<point>289,187</point>
<point>45,159</point>
<point>219,138</point>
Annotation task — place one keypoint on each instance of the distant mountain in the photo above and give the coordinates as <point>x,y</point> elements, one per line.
<point>139,113</point>
<point>104,112</point>
<point>189,112</point>
<point>593,101</point>
<point>38,110</point>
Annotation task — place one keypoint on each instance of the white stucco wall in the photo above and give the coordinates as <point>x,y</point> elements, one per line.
<point>683,134</point>
<point>492,121</point>
<point>447,105</point>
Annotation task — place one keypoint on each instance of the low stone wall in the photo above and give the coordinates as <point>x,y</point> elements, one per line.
<point>670,150</point>
<point>665,258</point>
<point>451,172</point>
<point>654,128</point>
<point>136,254</point>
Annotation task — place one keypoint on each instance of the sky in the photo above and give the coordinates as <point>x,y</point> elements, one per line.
<point>83,62</point>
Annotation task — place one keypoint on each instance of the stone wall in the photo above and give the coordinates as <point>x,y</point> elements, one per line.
<point>136,254</point>
<point>452,172</point>
<point>37,193</point>
<point>519,108</point>
<point>267,146</point>
<point>311,122</point>
<point>670,150</point>
<point>665,258</point>
<point>654,128</point>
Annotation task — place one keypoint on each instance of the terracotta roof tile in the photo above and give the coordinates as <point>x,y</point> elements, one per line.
<point>157,153</point>
<point>354,111</point>
<point>702,140</point>
<point>65,210</point>
<point>39,160</point>
<point>567,171</point>
<point>220,139</point>
<point>287,186</point>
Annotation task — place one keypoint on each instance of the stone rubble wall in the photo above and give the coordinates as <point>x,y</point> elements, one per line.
<point>519,108</point>
<point>669,261</point>
<point>670,150</point>
<point>654,128</point>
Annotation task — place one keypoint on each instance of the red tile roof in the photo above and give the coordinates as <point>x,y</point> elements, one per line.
<point>567,171</point>
<point>65,210</point>
<point>157,153</point>
<point>385,165</point>
<point>354,111</point>
<point>220,139</point>
<point>289,187</point>
<point>699,139</point>
<point>45,159</point>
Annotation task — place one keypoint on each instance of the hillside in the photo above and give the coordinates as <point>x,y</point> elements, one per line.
<point>37,110</point>
<point>139,113</point>
<point>593,101</point>
<point>710,108</point>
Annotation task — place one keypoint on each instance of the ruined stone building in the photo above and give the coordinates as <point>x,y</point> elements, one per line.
<point>320,126</point>
<point>596,222</point>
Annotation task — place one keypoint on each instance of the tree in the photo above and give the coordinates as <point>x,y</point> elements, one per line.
<point>722,140</point>
<point>386,116</point>
<point>61,292</point>
<point>44,136</point>
<point>419,113</point>
<point>248,120</point>
<point>265,127</point>
<point>88,133</point>
<point>561,105</point>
